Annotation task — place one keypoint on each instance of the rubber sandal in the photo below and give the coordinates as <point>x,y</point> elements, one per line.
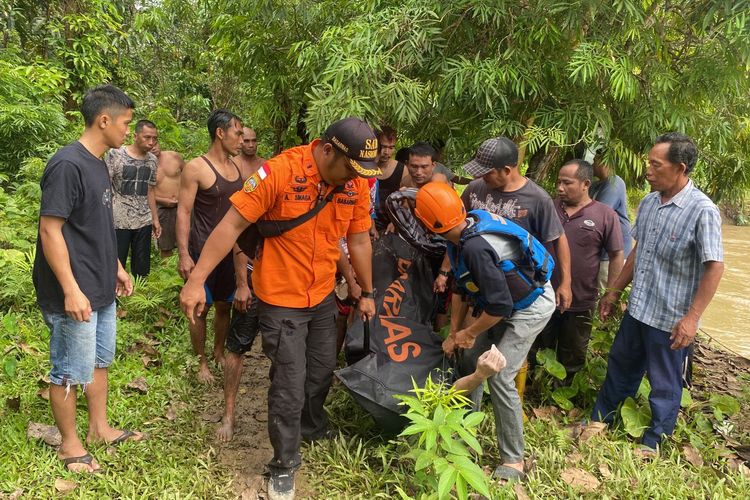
<point>125,436</point>
<point>645,452</point>
<point>86,459</point>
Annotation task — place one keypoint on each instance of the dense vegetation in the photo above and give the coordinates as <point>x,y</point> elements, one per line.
<point>556,76</point>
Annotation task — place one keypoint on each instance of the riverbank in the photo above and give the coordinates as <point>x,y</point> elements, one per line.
<point>152,389</point>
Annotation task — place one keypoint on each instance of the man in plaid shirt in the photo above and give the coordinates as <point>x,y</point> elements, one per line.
<point>677,267</point>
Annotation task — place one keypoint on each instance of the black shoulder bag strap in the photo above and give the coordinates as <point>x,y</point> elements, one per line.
<point>250,239</point>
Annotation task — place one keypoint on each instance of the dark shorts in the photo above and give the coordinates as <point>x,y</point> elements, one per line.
<point>168,220</point>
<point>220,283</point>
<point>243,329</point>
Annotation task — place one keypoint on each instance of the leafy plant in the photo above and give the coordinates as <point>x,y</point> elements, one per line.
<point>635,417</point>
<point>446,447</point>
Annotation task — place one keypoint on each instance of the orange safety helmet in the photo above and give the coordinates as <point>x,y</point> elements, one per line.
<point>439,207</point>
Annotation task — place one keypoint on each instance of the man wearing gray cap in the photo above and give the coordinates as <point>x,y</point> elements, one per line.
<point>499,188</point>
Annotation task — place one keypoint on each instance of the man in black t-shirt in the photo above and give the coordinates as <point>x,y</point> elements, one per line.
<point>77,274</point>
<point>500,189</point>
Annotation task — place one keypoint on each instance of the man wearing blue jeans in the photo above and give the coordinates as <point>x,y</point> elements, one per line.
<point>77,274</point>
<point>677,267</point>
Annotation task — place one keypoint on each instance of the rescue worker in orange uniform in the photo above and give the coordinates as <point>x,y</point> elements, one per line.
<point>294,273</point>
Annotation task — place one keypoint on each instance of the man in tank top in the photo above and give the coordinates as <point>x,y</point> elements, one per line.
<point>393,173</point>
<point>206,185</point>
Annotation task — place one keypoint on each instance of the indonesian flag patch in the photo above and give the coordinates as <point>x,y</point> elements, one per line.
<point>254,180</point>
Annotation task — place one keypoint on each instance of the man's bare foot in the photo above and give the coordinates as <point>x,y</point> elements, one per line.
<point>204,374</point>
<point>219,358</point>
<point>225,431</point>
<point>75,458</point>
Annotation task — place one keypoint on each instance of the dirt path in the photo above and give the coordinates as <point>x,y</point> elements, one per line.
<point>249,452</point>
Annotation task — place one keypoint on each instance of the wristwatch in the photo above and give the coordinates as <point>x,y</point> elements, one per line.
<point>444,273</point>
<point>367,295</point>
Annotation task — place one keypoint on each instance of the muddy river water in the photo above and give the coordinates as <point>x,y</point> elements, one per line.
<point>727,318</point>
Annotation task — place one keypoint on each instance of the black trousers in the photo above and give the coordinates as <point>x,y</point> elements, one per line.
<point>137,242</point>
<point>301,344</point>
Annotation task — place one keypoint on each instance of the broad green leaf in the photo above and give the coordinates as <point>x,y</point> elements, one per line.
<point>644,389</point>
<point>440,464</point>
<point>430,437</point>
<point>728,405</point>
<point>415,429</point>
<point>635,418</point>
<point>10,366</point>
<point>446,433</point>
<point>439,417</point>
<point>454,417</point>
<point>424,459</point>
<point>685,400</point>
<point>461,490</point>
<point>473,419</point>
<point>473,474</point>
<point>562,396</point>
<point>548,359</point>
<point>470,440</point>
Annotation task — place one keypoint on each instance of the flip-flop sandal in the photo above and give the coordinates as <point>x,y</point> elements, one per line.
<point>505,473</point>
<point>86,459</point>
<point>125,436</point>
<point>645,452</point>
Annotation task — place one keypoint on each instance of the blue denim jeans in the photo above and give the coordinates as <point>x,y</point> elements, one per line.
<point>77,347</point>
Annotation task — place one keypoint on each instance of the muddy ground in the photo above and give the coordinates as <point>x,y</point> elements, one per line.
<point>248,453</point>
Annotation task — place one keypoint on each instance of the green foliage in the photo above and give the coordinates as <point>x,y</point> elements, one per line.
<point>552,75</point>
<point>635,417</point>
<point>30,110</point>
<point>547,359</point>
<point>446,444</point>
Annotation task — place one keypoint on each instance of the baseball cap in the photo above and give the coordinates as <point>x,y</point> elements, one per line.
<point>358,142</point>
<point>494,153</point>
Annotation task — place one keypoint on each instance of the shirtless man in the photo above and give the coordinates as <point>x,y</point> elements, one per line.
<point>248,160</point>
<point>421,166</point>
<point>169,168</point>
<point>207,183</point>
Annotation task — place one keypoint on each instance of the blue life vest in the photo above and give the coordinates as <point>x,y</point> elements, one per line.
<point>526,277</point>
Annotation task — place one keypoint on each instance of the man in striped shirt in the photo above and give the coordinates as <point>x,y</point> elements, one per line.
<point>677,267</point>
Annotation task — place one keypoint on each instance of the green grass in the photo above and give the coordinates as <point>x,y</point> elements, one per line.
<point>358,464</point>
<point>178,460</point>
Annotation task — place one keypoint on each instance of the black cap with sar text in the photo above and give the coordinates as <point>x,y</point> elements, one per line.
<point>358,142</point>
